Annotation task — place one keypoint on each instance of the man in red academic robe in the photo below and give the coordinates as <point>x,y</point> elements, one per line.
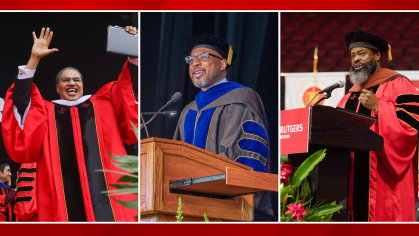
<point>383,185</point>
<point>7,194</point>
<point>70,139</point>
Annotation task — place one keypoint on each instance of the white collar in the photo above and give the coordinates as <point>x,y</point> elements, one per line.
<point>72,103</point>
<point>222,81</point>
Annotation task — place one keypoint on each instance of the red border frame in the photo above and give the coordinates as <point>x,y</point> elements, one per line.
<point>355,5</point>
<point>208,228</point>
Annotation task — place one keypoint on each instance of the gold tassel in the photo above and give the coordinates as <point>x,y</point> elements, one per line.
<point>230,55</point>
<point>389,53</point>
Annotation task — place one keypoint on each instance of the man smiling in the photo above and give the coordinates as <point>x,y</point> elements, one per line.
<point>201,73</point>
<point>70,138</point>
<point>226,118</point>
<point>383,184</point>
<point>69,84</point>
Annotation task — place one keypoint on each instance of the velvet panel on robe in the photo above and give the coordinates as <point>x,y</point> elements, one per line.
<point>229,120</point>
<point>69,144</point>
<point>385,186</point>
<point>232,125</point>
<point>26,206</point>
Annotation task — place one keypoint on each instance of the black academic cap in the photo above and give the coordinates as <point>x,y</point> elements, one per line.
<point>360,38</point>
<point>212,42</point>
<point>4,165</point>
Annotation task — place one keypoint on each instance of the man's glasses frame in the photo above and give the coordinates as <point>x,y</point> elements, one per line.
<point>201,57</point>
<point>67,80</point>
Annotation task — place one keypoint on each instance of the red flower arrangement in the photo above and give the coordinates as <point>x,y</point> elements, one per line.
<point>286,170</point>
<point>297,211</point>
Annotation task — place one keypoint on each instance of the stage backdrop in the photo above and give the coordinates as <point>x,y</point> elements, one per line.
<point>299,92</point>
<point>254,36</point>
<point>413,75</point>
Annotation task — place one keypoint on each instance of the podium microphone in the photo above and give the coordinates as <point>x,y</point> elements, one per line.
<point>328,90</point>
<point>176,97</point>
<point>166,113</point>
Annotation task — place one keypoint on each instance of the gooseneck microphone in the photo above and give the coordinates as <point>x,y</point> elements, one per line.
<point>328,91</point>
<point>176,97</point>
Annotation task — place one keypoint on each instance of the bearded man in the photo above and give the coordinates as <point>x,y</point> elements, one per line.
<point>383,185</point>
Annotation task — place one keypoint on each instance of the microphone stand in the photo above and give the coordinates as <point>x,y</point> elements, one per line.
<point>170,113</point>
<point>326,96</point>
<point>155,114</point>
<point>145,125</point>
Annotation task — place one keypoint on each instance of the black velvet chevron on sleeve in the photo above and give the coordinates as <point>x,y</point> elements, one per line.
<point>22,94</point>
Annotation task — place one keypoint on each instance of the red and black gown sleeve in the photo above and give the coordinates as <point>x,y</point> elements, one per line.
<point>398,113</point>
<point>25,201</point>
<point>2,207</point>
<point>6,197</point>
<point>122,97</point>
<point>24,121</point>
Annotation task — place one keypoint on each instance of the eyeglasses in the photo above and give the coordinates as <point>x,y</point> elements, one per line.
<point>201,57</point>
<point>67,80</point>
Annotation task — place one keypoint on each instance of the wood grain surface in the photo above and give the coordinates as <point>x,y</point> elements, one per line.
<point>163,160</point>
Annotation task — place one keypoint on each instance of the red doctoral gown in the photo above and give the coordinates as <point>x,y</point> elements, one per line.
<point>6,210</point>
<point>384,184</point>
<point>69,143</point>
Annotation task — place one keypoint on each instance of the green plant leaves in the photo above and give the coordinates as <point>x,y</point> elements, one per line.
<point>306,167</point>
<point>299,190</point>
<point>128,182</point>
<point>179,217</point>
<point>284,194</point>
<point>133,204</point>
<point>322,213</point>
<point>129,178</point>
<point>135,129</point>
<point>128,163</point>
<point>125,186</point>
<point>325,210</point>
<point>283,159</point>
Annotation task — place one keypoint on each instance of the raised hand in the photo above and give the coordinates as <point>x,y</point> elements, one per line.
<point>40,48</point>
<point>41,44</point>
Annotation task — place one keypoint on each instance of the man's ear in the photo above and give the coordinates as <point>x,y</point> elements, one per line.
<point>56,87</point>
<point>223,64</point>
<point>377,56</point>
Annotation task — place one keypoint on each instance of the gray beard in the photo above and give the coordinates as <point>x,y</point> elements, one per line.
<point>359,77</point>
<point>362,75</point>
<point>202,84</point>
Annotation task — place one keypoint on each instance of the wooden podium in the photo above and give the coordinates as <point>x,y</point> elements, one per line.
<point>340,132</point>
<point>165,160</point>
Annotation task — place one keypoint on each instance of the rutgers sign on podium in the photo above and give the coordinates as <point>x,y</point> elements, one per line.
<point>294,130</point>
